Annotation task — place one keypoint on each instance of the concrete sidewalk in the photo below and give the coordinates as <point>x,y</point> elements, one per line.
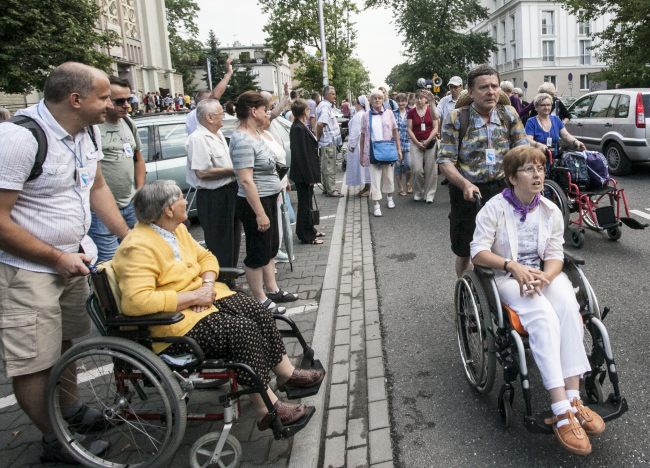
<point>338,313</point>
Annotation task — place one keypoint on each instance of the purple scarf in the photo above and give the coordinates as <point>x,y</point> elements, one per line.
<point>519,207</point>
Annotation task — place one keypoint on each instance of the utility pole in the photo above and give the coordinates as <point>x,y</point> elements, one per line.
<point>323,49</point>
<point>209,73</point>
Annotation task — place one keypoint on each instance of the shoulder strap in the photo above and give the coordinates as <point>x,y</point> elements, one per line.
<point>41,139</point>
<point>464,125</point>
<point>131,125</point>
<point>370,124</point>
<point>91,133</point>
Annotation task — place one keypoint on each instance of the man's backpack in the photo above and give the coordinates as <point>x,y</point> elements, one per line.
<point>41,139</point>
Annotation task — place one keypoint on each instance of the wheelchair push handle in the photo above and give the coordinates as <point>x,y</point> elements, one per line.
<point>478,202</point>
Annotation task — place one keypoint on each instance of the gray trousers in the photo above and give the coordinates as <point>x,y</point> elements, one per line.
<point>328,167</point>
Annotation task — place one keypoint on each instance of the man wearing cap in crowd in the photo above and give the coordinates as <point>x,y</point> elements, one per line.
<point>448,103</point>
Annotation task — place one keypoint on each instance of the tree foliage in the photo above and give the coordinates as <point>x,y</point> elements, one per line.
<point>242,78</point>
<point>623,45</point>
<point>293,29</point>
<point>435,37</point>
<point>185,50</point>
<point>37,36</point>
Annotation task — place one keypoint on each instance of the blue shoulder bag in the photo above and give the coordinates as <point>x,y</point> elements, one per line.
<point>382,151</point>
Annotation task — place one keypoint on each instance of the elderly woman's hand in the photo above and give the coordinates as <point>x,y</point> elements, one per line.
<point>204,297</point>
<point>530,280</point>
<point>263,223</point>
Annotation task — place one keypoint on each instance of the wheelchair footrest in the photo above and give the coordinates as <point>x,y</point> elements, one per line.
<point>295,393</point>
<point>633,223</point>
<point>609,410</point>
<point>291,430</point>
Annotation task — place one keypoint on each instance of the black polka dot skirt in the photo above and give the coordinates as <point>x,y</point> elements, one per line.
<point>242,331</point>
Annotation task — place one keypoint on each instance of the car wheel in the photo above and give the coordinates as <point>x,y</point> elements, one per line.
<point>618,162</point>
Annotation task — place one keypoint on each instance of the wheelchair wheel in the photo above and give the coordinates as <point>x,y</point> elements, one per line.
<point>506,396</point>
<point>577,239</point>
<point>594,390</point>
<point>144,414</point>
<point>201,453</point>
<point>554,192</point>
<point>475,342</point>
<point>614,233</point>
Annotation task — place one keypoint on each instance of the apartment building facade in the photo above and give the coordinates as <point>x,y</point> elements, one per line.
<point>540,41</point>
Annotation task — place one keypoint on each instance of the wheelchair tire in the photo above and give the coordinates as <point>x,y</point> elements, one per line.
<point>554,192</point>
<point>577,239</point>
<point>144,413</point>
<point>614,233</point>
<point>505,407</point>
<point>201,452</point>
<point>594,390</point>
<point>475,341</point>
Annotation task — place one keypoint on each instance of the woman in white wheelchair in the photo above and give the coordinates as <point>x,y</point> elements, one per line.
<point>161,268</point>
<point>519,234</point>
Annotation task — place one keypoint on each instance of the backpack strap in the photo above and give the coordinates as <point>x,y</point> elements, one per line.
<point>131,125</point>
<point>41,139</point>
<point>91,133</point>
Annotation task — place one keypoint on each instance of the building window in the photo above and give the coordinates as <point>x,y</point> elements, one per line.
<point>512,30</point>
<point>513,51</point>
<point>584,28</point>
<point>549,79</point>
<point>503,30</point>
<point>585,52</point>
<point>548,51</point>
<point>584,82</point>
<point>504,55</point>
<point>494,32</point>
<point>547,23</point>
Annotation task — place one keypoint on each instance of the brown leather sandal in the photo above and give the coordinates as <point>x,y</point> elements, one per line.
<point>590,421</point>
<point>571,436</point>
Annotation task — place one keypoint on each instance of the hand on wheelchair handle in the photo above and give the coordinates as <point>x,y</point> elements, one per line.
<point>72,264</point>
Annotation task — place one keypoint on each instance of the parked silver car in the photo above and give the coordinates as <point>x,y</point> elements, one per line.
<point>614,122</point>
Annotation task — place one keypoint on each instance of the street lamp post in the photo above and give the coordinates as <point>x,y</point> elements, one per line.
<point>322,42</point>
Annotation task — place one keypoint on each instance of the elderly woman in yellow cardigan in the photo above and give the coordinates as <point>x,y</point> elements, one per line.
<point>161,268</point>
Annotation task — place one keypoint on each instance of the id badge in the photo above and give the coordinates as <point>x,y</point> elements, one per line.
<point>549,142</point>
<point>490,157</point>
<point>83,178</point>
<point>423,127</point>
<point>128,150</point>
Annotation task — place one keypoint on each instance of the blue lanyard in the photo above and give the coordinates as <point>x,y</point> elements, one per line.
<point>79,159</point>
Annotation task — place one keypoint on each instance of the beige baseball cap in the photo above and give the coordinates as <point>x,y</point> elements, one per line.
<point>456,81</point>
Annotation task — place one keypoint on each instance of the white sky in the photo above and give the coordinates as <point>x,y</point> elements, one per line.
<point>378,45</point>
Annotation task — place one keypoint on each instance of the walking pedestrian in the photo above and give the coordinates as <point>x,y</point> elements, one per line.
<point>355,173</point>
<point>328,133</point>
<point>403,170</point>
<point>422,128</point>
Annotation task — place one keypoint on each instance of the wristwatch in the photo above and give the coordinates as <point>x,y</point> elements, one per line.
<point>208,281</point>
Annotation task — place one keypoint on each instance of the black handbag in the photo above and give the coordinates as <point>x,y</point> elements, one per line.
<point>314,213</point>
<point>281,169</point>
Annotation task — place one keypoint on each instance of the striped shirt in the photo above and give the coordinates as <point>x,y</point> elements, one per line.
<point>52,207</point>
<point>248,152</point>
<point>331,130</point>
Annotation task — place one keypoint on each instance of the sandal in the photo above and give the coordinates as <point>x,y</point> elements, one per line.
<point>320,234</point>
<point>314,242</point>
<point>335,193</point>
<point>282,296</point>
<point>272,307</point>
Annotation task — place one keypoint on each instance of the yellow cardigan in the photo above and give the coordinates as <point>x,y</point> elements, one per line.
<point>150,277</point>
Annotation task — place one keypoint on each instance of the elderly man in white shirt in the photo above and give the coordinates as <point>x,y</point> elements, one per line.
<point>209,169</point>
<point>448,103</point>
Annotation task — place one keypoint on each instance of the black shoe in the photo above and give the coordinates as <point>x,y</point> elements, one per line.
<point>96,424</point>
<point>54,452</point>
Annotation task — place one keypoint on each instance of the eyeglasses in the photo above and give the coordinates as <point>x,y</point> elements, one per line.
<point>531,170</point>
<point>120,101</point>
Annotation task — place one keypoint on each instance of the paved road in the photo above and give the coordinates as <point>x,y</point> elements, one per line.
<point>437,419</point>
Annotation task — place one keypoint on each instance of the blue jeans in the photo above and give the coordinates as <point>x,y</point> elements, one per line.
<point>105,240</point>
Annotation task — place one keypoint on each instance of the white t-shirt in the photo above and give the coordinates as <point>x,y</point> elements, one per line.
<point>527,240</point>
<point>207,150</point>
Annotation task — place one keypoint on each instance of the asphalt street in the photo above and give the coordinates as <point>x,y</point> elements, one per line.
<point>438,420</point>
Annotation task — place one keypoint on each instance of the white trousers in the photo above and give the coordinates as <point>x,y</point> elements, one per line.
<point>382,179</point>
<point>425,172</point>
<point>554,326</point>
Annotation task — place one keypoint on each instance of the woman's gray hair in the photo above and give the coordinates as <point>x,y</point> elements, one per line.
<point>4,114</point>
<point>377,92</point>
<point>151,199</point>
<point>518,91</point>
<point>541,97</point>
<point>547,87</point>
<point>507,86</point>
<point>206,107</point>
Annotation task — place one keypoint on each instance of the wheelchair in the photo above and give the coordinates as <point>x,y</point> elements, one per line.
<point>490,332</point>
<point>601,210</point>
<point>143,397</point>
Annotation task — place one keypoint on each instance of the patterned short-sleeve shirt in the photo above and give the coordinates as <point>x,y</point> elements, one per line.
<point>480,135</point>
<point>402,126</point>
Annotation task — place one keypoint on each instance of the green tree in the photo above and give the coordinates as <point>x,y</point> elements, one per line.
<point>293,30</point>
<point>434,36</point>
<point>623,44</point>
<point>242,78</point>
<point>185,50</point>
<point>37,36</point>
<point>402,78</point>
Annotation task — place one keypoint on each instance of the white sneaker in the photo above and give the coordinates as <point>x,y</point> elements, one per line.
<point>391,203</point>
<point>417,197</point>
<point>377,211</point>
<point>429,200</point>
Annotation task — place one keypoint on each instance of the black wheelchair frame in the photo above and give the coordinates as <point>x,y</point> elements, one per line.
<point>122,356</point>
<point>486,337</point>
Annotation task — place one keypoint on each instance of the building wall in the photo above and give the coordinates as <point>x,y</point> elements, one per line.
<point>520,55</point>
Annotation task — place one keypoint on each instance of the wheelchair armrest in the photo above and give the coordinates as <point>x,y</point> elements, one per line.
<point>226,274</point>
<point>569,259</point>
<point>488,272</point>
<point>161,318</point>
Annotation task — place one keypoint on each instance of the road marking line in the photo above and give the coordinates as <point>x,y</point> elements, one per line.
<point>81,378</point>
<point>640,213</point>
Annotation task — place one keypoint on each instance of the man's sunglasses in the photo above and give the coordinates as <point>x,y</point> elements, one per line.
<point>120,101</point>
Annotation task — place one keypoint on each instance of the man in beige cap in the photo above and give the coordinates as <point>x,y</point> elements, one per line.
<point>447,103</point>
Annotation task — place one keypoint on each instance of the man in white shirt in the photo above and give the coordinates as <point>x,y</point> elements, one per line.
<point>328,133</point>
<point>448,103</point>
<point>191,122</point>
<point>44,243</point>
<point>209,169</point>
